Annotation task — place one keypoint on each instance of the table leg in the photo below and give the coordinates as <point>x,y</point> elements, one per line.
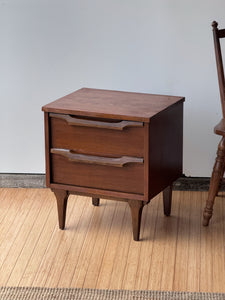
<point>167,200</point>
<point>136,212</point>
<point>95,201</point>
<point>61,198</point>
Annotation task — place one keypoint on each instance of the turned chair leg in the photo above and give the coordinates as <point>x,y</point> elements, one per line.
<point>216,177</point>
<point>136,212</point>
<point>61,198</point>
<point>95,201</point>
<point>167,200</point>
<point>221,178</point>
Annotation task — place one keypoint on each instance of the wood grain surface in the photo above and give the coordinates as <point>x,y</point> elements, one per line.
<point>112,104</point>
<point>96,249</point>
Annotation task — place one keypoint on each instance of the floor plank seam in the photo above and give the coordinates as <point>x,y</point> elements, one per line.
<point>99,224</point>
<point>177,232</point>
<point>39,210</point>
<point>73,239</point>
<point>106,244</point>
<point>83,242</point>
<point>51,207</point>
<point>153,239</point>
<point>97,250</point>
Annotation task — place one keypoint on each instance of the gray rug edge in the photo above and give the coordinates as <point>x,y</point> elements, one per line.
<point>24,293</point>
<point>13,180</point>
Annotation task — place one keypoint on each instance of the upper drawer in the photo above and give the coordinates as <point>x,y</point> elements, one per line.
<point>97,136</point>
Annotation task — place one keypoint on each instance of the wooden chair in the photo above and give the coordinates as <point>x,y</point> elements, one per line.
<point>219,167</point>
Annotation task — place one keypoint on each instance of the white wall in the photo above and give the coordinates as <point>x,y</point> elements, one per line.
<point>49,48</point>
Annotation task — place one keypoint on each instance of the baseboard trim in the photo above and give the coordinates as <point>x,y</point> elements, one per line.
<point>8,180</point>
<point>193,184</point>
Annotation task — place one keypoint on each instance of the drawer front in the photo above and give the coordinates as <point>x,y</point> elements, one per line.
<point>128,177</point>
<point>92,139</point>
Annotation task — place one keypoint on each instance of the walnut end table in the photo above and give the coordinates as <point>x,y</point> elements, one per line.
<point>114,145</point>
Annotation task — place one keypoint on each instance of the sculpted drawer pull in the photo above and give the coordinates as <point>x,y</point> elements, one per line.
<point>99,124</point>
<point>98,160</point>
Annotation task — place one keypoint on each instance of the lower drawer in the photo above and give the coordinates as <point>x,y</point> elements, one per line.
<point>129,178</point>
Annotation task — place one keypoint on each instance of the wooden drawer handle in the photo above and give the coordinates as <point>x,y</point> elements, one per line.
<point>98,160</point>
<point>91,123</point>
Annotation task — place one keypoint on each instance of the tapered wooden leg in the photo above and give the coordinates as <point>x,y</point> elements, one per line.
<point>136,212</point>
<point>95,201</point>
<point>167,200</point>
<point>61,198</point>
<point>217,174</point>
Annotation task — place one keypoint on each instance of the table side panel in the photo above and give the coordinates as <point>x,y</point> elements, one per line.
<point>165,149</point>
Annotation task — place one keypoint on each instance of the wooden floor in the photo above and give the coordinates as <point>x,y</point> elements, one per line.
<point>97,251</point>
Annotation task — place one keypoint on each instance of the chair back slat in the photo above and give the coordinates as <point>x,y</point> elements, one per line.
<point>217,34</point>
<point>221,33</point>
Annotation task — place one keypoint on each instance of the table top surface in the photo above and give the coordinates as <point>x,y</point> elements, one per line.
<point>112,104</point>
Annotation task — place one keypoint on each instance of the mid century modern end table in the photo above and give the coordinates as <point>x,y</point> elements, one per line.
<point>114,145</point>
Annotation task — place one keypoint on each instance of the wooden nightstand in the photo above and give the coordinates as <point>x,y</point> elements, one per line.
<point>114,145</point>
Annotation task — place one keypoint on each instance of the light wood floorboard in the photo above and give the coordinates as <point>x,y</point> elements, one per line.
<point>96,250</point>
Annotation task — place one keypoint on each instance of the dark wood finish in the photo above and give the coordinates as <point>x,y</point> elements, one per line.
<point>136,208</point>
<point>97,141</point>
<point>118,162</point>
<point>47,149</point>
<point>95,201</point>
<point>221,32</point>
<point>146,163</point>
<point>112,104</point>
<point>167,200</point>
<point>165,159</point>
<point>114,145</point>
<point>219,64</point>
<point>120,125</point>
<point>220,128</point>
<point>61,198</point>
<point>218,170</point>
<point>217,174</point>
<point>128,179</point>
